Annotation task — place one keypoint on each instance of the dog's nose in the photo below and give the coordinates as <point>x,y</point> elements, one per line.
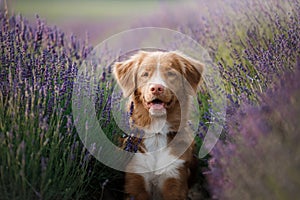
<point>156,89</point>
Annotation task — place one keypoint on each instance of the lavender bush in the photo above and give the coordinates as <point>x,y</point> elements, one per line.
<point>262,161</point>
<point>41,154</point>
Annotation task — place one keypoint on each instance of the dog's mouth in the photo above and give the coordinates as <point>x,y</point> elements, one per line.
<point>156,104</point>
<point>157,107</point>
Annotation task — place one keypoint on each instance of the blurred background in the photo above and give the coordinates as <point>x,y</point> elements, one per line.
<point>99,18</point>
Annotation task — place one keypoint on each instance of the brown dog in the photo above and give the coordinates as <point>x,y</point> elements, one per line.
<point>160,86</point>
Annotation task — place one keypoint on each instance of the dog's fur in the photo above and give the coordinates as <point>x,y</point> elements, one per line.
<point>160,86</point>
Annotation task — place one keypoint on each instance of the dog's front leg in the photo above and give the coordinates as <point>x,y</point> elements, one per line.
<point>135,187</point>
<point>175,188</point>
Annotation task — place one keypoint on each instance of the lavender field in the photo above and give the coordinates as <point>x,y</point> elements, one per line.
<point>255,46</point>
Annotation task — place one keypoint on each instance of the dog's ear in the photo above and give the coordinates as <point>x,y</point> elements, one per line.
<point>125,73</point>
<point>192,71</point>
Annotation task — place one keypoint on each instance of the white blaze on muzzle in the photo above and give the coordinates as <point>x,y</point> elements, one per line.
<point>157,109</point>
<point>156,77</point>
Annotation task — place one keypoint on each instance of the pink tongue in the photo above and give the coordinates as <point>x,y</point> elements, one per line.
<point>157,106</point>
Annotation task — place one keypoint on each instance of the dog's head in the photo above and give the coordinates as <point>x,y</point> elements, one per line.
<point>156,80</point>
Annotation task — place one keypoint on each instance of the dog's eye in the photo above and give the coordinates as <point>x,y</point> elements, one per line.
<point>171,74</point>
<point>145,74</point>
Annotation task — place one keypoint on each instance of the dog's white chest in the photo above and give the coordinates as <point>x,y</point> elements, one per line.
<point>159,156</point>
<point>157,164</point>
<point>155,142</point>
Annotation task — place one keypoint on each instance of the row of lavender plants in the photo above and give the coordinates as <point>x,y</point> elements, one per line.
<point>42,157</point>
<point>261,158</point>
